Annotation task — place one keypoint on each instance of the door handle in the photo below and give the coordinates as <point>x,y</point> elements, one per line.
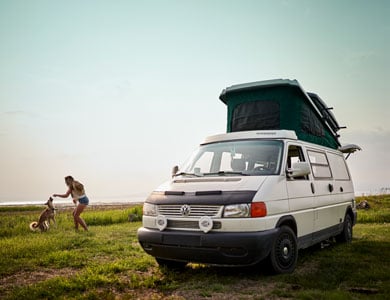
<point>330,186</point>
<point>312,188</point>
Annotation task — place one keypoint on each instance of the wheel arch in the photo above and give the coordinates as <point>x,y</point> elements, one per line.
<point>349,211</point>
<point>288,221</point>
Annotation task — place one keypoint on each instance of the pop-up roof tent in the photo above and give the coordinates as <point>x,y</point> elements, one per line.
<point>280,104</point>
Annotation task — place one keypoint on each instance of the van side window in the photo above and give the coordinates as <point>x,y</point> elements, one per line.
<point>295,154</point>
<point>319,165</point>
<point>338,166</point>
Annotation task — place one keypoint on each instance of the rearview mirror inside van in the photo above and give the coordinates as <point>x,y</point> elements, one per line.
<point>299,169</point>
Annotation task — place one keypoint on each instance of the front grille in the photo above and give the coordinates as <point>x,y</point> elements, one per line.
<point>195,210</point>
<point>189,224</point>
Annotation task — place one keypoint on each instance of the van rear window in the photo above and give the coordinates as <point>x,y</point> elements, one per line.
<point>338,166</point>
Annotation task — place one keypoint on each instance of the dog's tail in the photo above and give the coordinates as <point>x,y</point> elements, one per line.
<point>34,226</point>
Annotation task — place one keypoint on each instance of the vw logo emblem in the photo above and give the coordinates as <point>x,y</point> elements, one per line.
<point>185,210</point>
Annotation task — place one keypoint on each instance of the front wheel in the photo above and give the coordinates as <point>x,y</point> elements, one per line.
<point>171,264</point>
<point>346,235</point>
<point>284,253</point>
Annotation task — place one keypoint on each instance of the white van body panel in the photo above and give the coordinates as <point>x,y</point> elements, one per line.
<point>273,188</point>
<point>301,206</point>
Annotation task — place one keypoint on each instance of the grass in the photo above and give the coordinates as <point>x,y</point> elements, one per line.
<point>379,212</point>
<point>108,263</point>
<point>19,208</point>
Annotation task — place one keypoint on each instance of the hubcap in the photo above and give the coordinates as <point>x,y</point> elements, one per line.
<point>285,251</point>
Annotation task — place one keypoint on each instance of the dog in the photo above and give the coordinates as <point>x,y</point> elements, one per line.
<point>46,216</point>
<point>363,205</point>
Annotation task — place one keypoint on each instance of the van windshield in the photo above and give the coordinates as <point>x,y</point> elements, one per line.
<point>240,158</point>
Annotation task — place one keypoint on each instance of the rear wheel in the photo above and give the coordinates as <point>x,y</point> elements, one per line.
<point>346,235</point>
<point>284,253</point>
<point>171,264</point>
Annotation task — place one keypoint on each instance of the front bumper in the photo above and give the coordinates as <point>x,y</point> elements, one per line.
<point>222,248</point>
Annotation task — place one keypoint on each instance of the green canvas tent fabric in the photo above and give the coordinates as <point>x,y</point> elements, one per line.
<point>279,104</point>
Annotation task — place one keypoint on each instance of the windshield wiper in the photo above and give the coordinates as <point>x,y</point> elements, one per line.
<point>187,174</point>
<point>220,173</point>
<point>223,173</point>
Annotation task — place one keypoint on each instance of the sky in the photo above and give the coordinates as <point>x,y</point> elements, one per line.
<point>116,93</point>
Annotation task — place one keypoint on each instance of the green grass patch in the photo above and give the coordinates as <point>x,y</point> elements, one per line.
<point>379,211</point>
<point>20,208</point>
<point>108,263</point>
<point>99,217</point>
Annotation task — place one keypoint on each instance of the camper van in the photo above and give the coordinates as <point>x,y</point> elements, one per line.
<point>248,196</point>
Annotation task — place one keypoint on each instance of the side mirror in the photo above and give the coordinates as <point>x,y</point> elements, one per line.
<point>175,169</point>
<point>299,169</point>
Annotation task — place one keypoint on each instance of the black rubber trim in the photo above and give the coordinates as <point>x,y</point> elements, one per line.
<point>224,248</point>
<point>354,218</point>
<point>204,193</point>
<point>211,197</point>
<point>319,236</point>
<point>175,193</point>
<point>288,220</point>
<point>353,215</point>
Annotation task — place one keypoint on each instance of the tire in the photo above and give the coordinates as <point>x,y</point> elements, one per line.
<point>346,235</point>
<point>171,264</point>
<point>284,253</point>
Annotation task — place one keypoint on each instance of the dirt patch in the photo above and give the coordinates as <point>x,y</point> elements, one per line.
<point>23,278</point>
<point>246,289</point>
<point>243,289</point>
<point>307,267</point>
<point>151,295</point>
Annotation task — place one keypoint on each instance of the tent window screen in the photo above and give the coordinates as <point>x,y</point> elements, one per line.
<point>310,122</point>
<point>258,115</point>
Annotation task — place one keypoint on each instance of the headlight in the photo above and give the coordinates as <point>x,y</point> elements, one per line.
<point>149,209</point>
<point>237,211</point>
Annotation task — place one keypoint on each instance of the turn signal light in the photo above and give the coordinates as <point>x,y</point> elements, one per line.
<point>258,209</point>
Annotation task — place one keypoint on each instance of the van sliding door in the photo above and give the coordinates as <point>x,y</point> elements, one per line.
<point>326,216</point>
<point>300,196</point>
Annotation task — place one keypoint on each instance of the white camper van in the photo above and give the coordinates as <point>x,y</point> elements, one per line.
<point>247,196</point>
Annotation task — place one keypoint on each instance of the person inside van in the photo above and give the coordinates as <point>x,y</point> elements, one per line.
<point>238,164</point>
